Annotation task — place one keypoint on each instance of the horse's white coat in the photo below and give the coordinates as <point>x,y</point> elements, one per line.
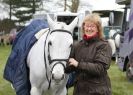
<point>112,44</point>
<point>117,38</point>
<point>59,49</point>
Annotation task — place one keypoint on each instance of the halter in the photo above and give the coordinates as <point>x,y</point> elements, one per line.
<point>115,34</point>
<point>58,61</point>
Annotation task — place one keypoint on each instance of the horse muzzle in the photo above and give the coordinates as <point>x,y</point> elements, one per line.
<point>58,72</point>
<point>58,78</point>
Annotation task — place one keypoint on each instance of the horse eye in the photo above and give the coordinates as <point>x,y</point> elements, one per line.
<point>50,43</point>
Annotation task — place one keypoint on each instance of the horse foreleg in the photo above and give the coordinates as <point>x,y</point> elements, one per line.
<point>35,84</point>
<point>35,91</point>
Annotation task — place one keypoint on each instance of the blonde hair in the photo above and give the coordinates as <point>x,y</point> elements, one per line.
<point>95,18</point>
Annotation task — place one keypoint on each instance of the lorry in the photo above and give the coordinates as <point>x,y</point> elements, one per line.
<point>125,54</point>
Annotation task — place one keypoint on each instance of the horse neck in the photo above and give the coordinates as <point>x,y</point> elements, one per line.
<point>42,37</point>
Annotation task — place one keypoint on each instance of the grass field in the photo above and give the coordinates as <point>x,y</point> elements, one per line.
<point>5,88</point>
<point>120,85</point>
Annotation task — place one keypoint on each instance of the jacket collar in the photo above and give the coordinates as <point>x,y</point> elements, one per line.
<point>93,40</point>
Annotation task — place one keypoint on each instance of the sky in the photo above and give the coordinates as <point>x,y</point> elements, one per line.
<point>102,4</point>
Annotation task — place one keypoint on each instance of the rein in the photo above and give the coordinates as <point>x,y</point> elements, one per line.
<point>49,57</point>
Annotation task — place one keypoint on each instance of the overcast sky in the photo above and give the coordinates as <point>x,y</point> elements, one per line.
<point>102,4</point>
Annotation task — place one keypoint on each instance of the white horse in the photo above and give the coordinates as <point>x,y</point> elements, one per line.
<point>48,58</point>
<point>114,41</point>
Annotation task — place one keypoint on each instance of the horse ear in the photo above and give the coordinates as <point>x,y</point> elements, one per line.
<point>50,21</point>
<point>73,23</point>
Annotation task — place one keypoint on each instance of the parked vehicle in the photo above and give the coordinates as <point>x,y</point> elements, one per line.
<point>125,54</point>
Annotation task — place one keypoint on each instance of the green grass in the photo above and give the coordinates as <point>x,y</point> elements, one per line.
<point>120,85</point>
<point>5,88</point>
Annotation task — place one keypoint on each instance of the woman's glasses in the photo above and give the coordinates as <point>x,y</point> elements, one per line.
<point>90,26</point>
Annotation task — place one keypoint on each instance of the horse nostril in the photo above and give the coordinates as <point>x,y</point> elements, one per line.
<point>58,77</point>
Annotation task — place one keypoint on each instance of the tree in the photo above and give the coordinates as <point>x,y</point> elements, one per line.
<point>6,25</point>
<point>65,5</point>
<point>23,9</point>
<point>73,7</point>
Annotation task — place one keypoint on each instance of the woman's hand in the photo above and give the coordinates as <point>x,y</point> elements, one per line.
<point>73,62</point>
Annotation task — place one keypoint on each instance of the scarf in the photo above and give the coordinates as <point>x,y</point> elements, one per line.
<point>88,37</point>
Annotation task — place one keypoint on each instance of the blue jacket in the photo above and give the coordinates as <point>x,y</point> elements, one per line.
<point>16,70</point>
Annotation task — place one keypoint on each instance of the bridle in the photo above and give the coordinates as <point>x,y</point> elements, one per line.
<point>55,61</point>
<point>49,57</point>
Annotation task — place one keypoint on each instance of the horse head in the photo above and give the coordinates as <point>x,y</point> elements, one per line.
<point>59,43</point>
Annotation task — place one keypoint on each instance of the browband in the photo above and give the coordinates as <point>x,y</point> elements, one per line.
<point>60,30</point>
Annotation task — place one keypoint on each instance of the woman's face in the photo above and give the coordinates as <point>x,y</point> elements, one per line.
<point>90,28</point>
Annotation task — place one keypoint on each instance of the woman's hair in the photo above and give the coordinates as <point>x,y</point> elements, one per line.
<point>95,18</point>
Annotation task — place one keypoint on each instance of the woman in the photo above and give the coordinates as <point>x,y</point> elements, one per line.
<point>91,59</point>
